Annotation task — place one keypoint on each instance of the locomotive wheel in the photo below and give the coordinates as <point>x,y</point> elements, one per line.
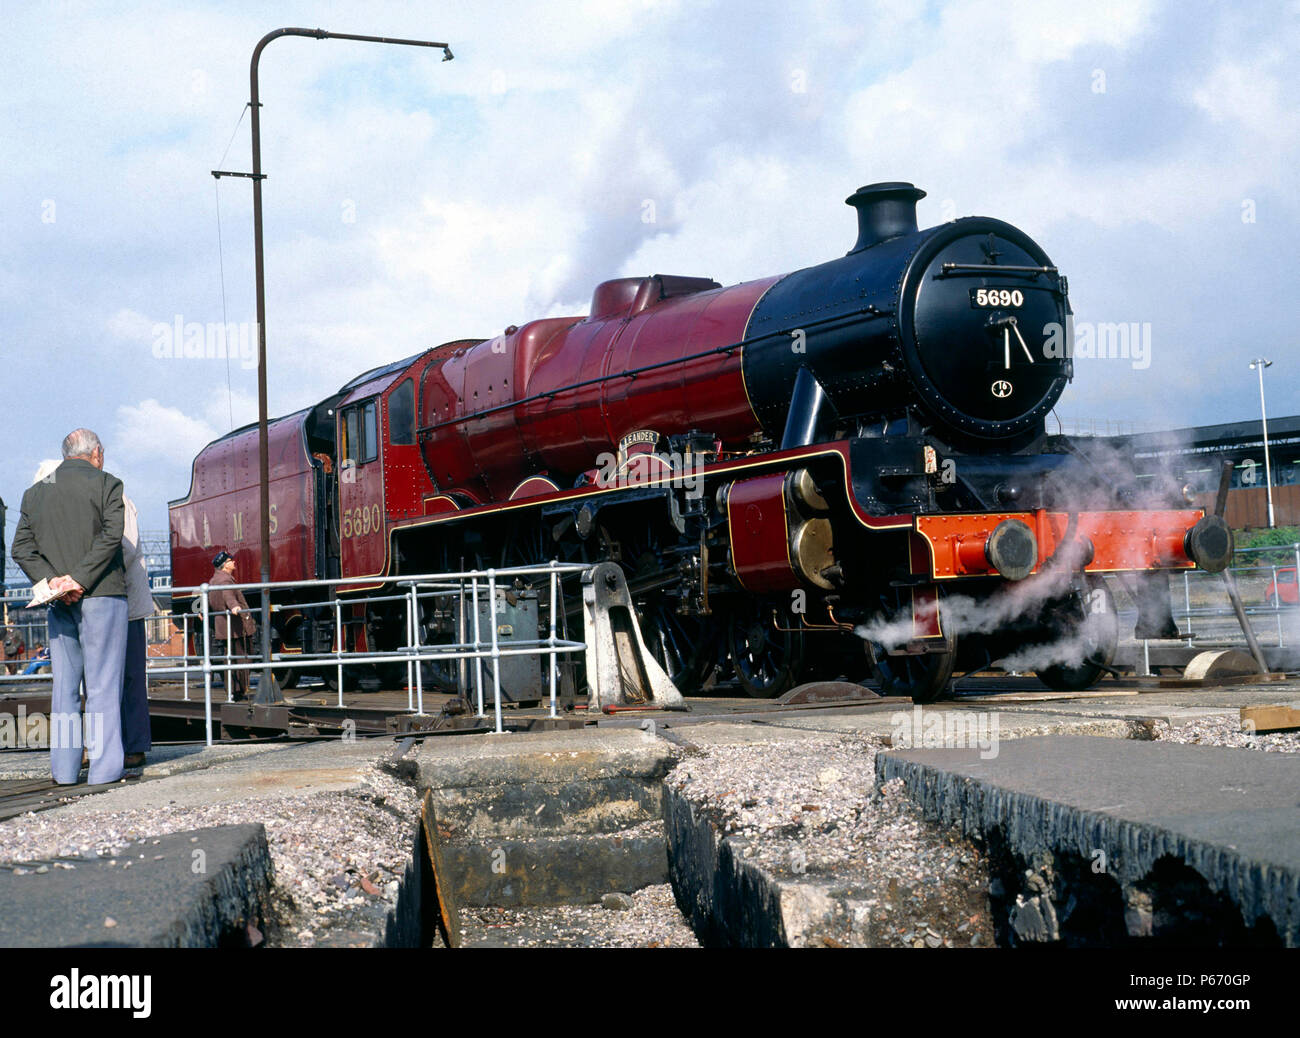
<point>923,678</point>
<point>523,546</point>
<point>684,646</point>
<point>767,658</point>
<point>1096,622</point>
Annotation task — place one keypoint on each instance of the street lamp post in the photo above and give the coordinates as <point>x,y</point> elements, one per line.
<point>257,176</point>
<point>1259,364</point>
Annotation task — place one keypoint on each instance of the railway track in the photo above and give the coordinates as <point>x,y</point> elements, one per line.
<point>22,796</point>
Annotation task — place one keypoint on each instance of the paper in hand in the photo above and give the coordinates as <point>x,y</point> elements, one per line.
<point>41,594</point>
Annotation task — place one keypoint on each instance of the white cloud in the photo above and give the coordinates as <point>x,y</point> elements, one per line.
<point>158,432</point>
<point>152,430</point>
<point>130,326</point>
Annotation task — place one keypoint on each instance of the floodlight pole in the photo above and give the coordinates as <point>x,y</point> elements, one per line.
<point>257,177</point>
<point>1259,364</point>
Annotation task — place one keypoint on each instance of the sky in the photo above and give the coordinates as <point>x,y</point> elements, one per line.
<point>1151,148</point>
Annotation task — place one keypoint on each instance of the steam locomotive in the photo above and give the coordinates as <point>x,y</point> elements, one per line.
<point>844,469</point>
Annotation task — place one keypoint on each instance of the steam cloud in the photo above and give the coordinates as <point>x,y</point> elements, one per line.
<point>1106,482</point>
<point>968,615</point>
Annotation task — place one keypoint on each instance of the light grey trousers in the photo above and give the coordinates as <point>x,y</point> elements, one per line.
<point>87,640</point>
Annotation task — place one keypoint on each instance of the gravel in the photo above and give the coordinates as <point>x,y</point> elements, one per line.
<point>338,856</point>
<point>651,920</point>
<point>1226,731</point>
<point>809,810</point>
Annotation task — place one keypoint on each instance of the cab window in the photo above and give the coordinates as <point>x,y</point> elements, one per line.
<point>350,434</point>
<point>401,414</point>
<point>369,433</point>
<point>360,433</point>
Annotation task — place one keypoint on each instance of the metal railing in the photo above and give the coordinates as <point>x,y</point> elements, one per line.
<point>1265,573</point>
<point>31,626</point>
<point>1204,625</point>
<point>466,585</point>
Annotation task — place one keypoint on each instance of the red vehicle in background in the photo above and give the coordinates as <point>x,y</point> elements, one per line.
<point>1283,590</point>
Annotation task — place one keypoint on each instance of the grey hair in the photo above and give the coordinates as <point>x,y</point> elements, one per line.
<point>80,443</point>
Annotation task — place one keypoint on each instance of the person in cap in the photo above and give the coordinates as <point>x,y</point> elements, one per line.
<point>70,534</point>
<point>233,628</point>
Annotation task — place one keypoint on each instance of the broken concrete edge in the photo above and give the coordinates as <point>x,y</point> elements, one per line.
<point>1032,826</point>
<point>405,923</point>
<point>731,902</point>
<point>228,890</point>
<point>237,895</point>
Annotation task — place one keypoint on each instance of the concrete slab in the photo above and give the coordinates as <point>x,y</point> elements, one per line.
<point>545,818</point>
<point>197,889</point>
<point>160,761</point>
<point>743,733</point>
<point>576,781</point>
<point>1232,816</point>
<point>296,769</point>
<point>1149,711</point>
<point>1175,706</point>
<point>556,870</point>
<point>331,819</point>
<point>591,753</point>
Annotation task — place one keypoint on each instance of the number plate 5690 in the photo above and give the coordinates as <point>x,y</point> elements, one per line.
<point>999,298</point>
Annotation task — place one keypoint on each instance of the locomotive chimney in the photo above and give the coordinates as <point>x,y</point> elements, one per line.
<point>884,211</point>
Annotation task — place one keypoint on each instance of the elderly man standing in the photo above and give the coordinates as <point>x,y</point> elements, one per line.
<point>71,535</point>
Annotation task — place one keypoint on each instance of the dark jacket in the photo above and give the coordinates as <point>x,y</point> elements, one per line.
<point>72,524</point>
<point>221,599</point>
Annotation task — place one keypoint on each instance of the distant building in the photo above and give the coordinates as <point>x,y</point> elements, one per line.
<point>1196,455</point>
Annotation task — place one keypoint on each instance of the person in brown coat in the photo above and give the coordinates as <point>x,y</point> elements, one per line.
<point>222,600</point>
<point>14,649</point>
